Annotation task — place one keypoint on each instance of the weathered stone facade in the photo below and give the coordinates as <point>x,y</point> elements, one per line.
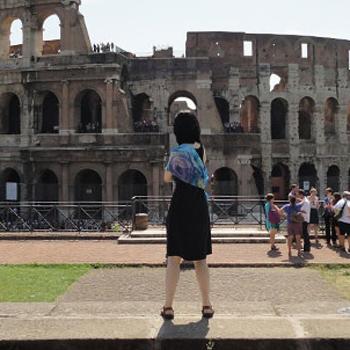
<point>84,126</point>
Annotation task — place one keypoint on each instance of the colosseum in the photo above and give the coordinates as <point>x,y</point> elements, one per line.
<point>80,124</point>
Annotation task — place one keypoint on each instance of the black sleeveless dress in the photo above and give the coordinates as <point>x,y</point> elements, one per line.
<point>188,223</point>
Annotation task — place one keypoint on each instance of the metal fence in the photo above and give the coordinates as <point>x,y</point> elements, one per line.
<point>98,217</point>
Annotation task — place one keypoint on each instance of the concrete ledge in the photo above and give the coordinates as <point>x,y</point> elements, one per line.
<point>179,344</point>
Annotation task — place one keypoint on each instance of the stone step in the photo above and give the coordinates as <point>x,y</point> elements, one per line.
<point>125,239</point>
<point>160,234</point>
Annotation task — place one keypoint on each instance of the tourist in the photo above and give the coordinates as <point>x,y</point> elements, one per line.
<point>294,220</point>
<point>337,198</point>
<point>342,214</point>
<point>293,191</point>
<point>188,223</point>
<point>314,217</point>
<point>272,219</point>
<point>328,217</point>
<point>306,208</point>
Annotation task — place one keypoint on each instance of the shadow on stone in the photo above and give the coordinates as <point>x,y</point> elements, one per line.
<point>194,330</point>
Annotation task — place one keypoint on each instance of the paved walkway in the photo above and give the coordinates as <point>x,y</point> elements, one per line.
<point>123,303</point>
<point>109,252</point>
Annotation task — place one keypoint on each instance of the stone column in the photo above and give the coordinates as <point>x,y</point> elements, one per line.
<point>65,109</point>
<point>245,175</point>
<point>108,122</point>
<point>322,178</point>
<point>155,178</point>
<point>293,124</point>
<point>344,177</point>
<point>27,116</point>
<point>109,188</point>
<point>65,192</point>
<point>341,124</point>
<point>319,125</point>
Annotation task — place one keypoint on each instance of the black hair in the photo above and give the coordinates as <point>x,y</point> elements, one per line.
<point>187,130</point>
<point>292,200</point>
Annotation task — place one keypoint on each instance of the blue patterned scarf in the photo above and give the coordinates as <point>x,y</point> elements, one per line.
<point>185,164</point>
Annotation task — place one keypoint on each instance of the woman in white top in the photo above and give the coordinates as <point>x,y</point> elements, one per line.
<point>342,208</point>
<point>314,216</point>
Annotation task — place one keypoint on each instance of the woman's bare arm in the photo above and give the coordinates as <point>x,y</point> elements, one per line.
<point>168,177</point>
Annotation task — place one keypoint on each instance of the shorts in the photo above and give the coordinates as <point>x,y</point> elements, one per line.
<point>295,228</point>
<point>344,228</point>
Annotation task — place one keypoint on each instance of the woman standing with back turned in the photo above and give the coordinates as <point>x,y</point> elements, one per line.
<point>188,224</point>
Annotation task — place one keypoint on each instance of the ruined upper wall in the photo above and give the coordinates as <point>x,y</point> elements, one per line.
<point>268,48</point>
<point>8,4</point>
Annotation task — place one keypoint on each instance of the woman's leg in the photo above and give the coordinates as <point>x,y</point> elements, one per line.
<point>171,279</point>
<point>273,232</point>
<point>202,273</point>
<point>298,239</point>
<point>290,240</point>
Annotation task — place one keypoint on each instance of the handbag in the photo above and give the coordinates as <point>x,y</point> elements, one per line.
<point>297,217</point>
<point>274,217</point>
<point>338,215</point>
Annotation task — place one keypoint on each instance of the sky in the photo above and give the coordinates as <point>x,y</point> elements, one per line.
<point>138,25</point>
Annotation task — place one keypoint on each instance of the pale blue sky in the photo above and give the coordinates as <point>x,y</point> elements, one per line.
<point>138,25</point>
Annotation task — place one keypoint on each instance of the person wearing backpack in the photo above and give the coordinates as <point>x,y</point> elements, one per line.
<point>272,219</point>
<point>306,208</point>
<point>342,215</point>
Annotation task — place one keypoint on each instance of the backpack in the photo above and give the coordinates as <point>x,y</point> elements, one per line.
<point>339,214</point>
<point>297,217</point>
<point>274,216</point>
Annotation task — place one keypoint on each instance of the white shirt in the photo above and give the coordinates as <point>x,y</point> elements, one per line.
<point>346,212</point>
<point>306,207</point>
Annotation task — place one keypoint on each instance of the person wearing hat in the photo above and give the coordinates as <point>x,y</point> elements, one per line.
<point>342,212</point>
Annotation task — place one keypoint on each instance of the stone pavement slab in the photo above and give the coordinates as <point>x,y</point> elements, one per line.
<point>109,252</point>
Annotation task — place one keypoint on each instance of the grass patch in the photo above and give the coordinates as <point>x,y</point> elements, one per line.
<point>337,275</point>
<point>37,283</point>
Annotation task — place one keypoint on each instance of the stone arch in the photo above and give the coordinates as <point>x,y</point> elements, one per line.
<point>16,39</point>
<point>88,108</point>
<point>279,113</point>
<point>51,37</point>
<point>142,114</point>
<point>223,108</point>
<point>306,118</point>
<point>250,114</point>
<point>280,180</point>
<point>47,111</point>
<point>10,114</point>
<point>333,178</point>
<point>330,112</point>
<point>258,177</point>
<point>130,184</point>
<point>181,100</point>
<point>8,48</point>
<point>225,182</point>
<point>10,185</point>
<point>308,176</point>
<point>88,186</point>
<point>47,187</point>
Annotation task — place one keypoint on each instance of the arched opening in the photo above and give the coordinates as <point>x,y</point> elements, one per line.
<point>275,81</point>
<point>10,186</point>
<point>331,111</point>
<point>46,189</point>
<point>333,178</point>
<point>259,180</point>
<point>50,115</point>
<point>279,111</point>
<point>88,186</point>
<point>51,35</point>
<point>225,182</point>
<point>89,106</point>
<point>308,176</point>
<point>16,39</point>
<point>142,114</point>
<point>250,114</point>
<point>132,183</point>
<point>10,114</point>
<point>223,108</point>
<point>306,113</point>
<point>181,100</point>
<point>280,179</point>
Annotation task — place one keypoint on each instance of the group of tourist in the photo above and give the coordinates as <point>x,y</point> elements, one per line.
<point>146,126</point>
<point>102,48</point>
<point>302,214</point>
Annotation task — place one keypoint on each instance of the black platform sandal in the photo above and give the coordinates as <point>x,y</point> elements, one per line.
<point>167,313</point>
<point>208,311</point>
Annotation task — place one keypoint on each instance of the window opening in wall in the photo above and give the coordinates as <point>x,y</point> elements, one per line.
<point>16,39</point>
<point>247,48</point>
<point>304,50</point>
<point>181,103</point>
<point>52,35</point>
<point>274,81</point>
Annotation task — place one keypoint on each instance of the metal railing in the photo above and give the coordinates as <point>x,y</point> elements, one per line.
<point>99,217</point>
<point>89,217</point>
